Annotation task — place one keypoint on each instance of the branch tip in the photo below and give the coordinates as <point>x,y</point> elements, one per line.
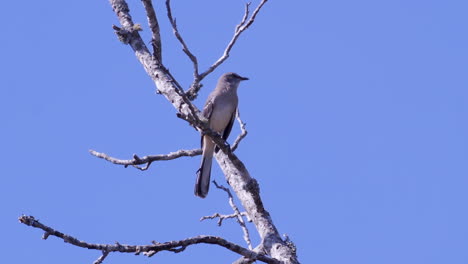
<point>45,235</point>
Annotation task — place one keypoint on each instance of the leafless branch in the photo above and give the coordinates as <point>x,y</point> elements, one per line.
<point>237,212</point>
<point>222,217</point>
<point>102,257</point>
<point>181,40</point>
<point>154,26</point>
<point>241,27</point>
<point>246,15</point>
<point>147,159</point>
<point>174,246</point>
<point>243,133</point>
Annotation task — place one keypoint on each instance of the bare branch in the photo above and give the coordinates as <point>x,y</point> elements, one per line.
<point>243,133</point>
<point>164,157</point>
<point>181,40</point>
<point>240,219</point>
<point>101,258</point>
<point>241,27</point>
<point>246,15</point>
<point>222,217</point>
<point>174,246</point>
<point>154,26</point>
<point>147,159</point>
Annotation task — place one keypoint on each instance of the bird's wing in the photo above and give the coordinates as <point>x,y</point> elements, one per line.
<point>228,128</point>
<point>207,111</point>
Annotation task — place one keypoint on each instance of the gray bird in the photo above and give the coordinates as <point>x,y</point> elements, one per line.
<point>220,110</point>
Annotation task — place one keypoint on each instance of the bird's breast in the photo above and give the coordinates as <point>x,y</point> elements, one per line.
<point>221,115</point>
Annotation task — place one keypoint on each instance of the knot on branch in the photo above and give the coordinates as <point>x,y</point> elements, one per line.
<point>252,186</point>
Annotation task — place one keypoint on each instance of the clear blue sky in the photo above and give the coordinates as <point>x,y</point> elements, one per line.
<point>356,112</point>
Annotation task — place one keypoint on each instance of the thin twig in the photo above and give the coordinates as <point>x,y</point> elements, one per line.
<point>102,257</point>
<point>221,217</point>
<point>181,40</point>
<point>246,15</point>
<point>236,210</point>
<point>174,246</point>
<point>243,133</point>
<point>154,26</point>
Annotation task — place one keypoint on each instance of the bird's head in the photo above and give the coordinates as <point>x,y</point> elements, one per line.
<point>233,78</point>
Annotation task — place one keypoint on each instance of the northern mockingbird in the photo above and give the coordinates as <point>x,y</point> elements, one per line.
<point>220,110</point>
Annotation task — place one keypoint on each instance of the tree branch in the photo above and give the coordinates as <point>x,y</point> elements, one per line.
<point>102,257</point>
<point>154,26</point>
<point>181,40</point>
<point>147,159</point>
<point>243,133</point>
<point>237,212</point>
<point>174,246</point>
<point>223,217</point>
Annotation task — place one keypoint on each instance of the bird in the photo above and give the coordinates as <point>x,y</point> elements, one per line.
<point>220,110</point>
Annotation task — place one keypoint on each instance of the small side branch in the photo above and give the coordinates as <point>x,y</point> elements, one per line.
<point>241,27</point>
<point>154,26</point>
<point>221,217</point>
<point>181,40</point>
<point>101,258</point>
<point>238,214</point>
<point>147,159</point>
<point>243,133</point>
<point>150,250</point>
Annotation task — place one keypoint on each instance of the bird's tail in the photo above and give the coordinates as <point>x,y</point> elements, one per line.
<point>202,185</point>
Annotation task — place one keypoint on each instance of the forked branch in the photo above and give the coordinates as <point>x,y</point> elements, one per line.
<point>181,40</point>
<point>241,27</point>
<point>239,218</point>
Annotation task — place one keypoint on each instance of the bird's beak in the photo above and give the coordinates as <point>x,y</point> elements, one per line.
<point>243,78</point>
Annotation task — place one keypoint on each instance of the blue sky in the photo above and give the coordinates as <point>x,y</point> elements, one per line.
<point>356,112</point>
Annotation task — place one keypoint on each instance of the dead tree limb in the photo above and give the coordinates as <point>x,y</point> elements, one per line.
<point>147,159</point>
<point>149,250</point>
<point>185,48</point>
<point>238,214</point>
